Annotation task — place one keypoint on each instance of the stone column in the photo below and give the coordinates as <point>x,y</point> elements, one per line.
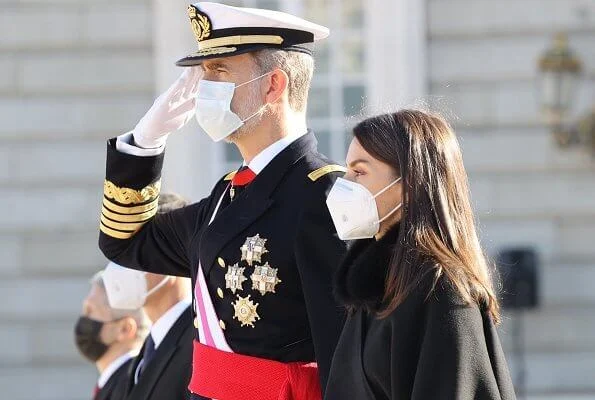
<point>395,53</point>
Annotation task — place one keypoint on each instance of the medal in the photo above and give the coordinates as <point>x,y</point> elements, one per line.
<point>234,278</point>
<point>245,311</point>
<point>264,279</point>
<point>253,249</point>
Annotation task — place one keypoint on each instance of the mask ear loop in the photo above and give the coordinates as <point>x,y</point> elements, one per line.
<point>252,80</point>
<point>264,105</point>
<point>253,115</point>
<point>384,190</point>
<point>157,287</point>
<point>393,183</point>
<point>394,210</point>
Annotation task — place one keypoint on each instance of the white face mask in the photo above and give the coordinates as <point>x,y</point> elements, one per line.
<point>354,211</point>
<point>127,288</point>
<point>213,108</point>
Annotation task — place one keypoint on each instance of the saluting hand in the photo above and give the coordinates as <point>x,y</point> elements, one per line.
<point>170,111</point>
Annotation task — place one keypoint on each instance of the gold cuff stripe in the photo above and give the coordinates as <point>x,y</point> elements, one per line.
<point>114,233</point>
<point>143,217</point>
<point>131,196</point>
<point>230,176</point>
<point>130,210</point>
<point>239,40</point>
<point>121,226</point>
<point>320,172</point>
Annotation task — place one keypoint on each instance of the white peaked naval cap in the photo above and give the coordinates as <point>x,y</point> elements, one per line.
<point>223,31</point>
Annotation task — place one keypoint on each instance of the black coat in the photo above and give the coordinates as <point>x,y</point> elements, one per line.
<point>285,204</point>
<point>167,375</point>
<point>428,348</point>
<point>115,387</point>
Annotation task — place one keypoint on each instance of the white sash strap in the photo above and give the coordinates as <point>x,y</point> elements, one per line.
<point>209,330</point>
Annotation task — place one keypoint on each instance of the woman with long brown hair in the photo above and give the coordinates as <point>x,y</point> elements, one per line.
<point>422,308</point>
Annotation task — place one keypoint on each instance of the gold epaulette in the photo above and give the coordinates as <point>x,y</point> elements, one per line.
<point>327,169</point>
<point>126,210</point>
<point>230,176</point>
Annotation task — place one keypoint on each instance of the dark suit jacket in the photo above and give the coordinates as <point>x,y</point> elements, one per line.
<point>285,206</point>
<point>115,387</point>
<point>167,375</point>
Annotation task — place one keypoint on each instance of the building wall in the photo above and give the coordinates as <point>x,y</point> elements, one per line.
<point>482,62</point>
<point>72,74</point>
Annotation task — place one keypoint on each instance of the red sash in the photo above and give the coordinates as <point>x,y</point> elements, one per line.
<point>229,376</point>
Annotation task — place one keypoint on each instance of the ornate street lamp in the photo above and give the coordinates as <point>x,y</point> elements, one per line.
<point>560,74</point>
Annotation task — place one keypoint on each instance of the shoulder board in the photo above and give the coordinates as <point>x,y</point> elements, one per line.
<point>327,169</point>
<point>230,176</point>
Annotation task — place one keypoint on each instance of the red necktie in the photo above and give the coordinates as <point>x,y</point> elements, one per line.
<point>241,179</point>
<point>95,391</point>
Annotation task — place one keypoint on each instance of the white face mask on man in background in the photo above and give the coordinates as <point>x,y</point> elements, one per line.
<point>126,288</point>
<point>213,108</point>
<point>354,211</point>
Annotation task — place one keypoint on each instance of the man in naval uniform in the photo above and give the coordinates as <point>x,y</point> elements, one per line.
<point>261,249</point>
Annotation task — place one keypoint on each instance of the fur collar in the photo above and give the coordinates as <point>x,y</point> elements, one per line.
<point>360,279</point>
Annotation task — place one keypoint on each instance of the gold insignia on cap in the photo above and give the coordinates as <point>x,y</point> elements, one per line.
<point>245,311</point>
<point>201,25</point>
<point>253,249</point>
<point>234,278</point>
<point>264,279</point>
<point>221,262</point>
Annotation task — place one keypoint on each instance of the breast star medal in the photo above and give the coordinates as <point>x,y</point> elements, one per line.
<point>253,249</point>
<point>264,279</point>
<point>245,311</point>
<point>234,278</point>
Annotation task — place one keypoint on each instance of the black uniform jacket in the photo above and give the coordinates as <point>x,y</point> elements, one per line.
<point>115,387</point>
<point>268,257</point>
<point>168,373</point>
<point>428,348</point>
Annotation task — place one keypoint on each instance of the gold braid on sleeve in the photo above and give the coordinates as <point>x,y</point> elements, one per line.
<point>126,210</point>
<point>131,196</point>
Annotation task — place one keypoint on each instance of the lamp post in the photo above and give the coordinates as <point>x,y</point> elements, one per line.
<point>559,76</point>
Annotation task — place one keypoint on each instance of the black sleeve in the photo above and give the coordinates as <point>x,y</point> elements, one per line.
<point>318,253</point>
<point>454,360</point>
<point>131,234</point>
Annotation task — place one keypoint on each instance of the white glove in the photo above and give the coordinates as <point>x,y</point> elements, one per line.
<point>170,111</point>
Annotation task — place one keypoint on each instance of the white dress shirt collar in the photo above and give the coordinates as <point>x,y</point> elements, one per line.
<point>113,367</point>
<point>263,158</point>
<point>162,326</point>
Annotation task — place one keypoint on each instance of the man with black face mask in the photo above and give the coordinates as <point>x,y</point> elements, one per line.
<point>109,338</point>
